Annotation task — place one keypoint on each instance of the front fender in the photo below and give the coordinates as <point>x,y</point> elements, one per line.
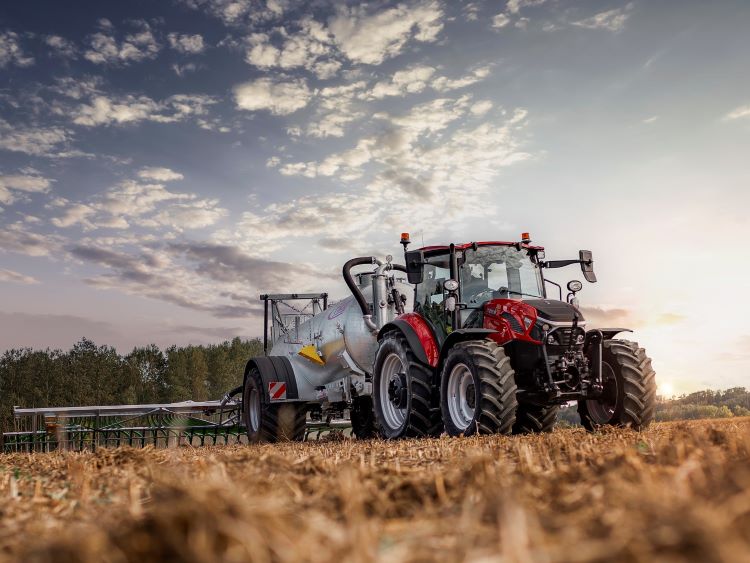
<point>610,333</point>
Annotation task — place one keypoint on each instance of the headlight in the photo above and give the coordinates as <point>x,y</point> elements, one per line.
<point>450,285</point>
<point>551,339</point>
<point>575,286</point>
<point>580,338</point>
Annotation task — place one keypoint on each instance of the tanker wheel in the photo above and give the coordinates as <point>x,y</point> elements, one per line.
<point>629,396</point>
<point>265,422</point>
<point>363,418</point>
<point>405,401</point>
<point>478,389</point>
<point>532,418</point>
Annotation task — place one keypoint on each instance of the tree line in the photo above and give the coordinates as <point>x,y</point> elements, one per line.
<point>88,374</point>
<point>701,404</point>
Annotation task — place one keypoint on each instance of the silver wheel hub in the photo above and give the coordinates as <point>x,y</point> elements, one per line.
<point>254,410</point>
<point>393,391</point>
<point>461,396</point>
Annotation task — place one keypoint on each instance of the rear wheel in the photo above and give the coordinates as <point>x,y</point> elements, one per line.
<point>478,389</point>
<point>267,422</point>
<point>405,404</point>
<point>534,418</point>
<point>363,418</point>
<point>629,397</point>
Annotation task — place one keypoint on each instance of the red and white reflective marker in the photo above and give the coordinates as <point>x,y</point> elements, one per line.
<point>277,391</point>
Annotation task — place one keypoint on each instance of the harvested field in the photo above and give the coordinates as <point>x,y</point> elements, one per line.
<point>677,492</point>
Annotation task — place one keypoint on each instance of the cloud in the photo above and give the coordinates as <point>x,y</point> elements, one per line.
<point>11,52</point>
<point>218,279</point>
<point>17,238</point>
<point>36,141</point>
<point>61,47</point>
<point>370,38</point>
<point>515,6</point>
<point>279,98</point>
<point>302,44</point>
<point>407,81</point>
<point>128,109</point>
<point>500,21</point>
<point>11,184</point>
<point>159,174</point>
<point>104,48</point>
<point>240,12</point>
<point>148,205</point>
<point>741,112</point>
<point>606,317</point>
<point>15,277</point>
<point>611,20</point>
<point>22,330</point>
<point>186,43</point>
<point>437,147</point>
<point>444,84</point>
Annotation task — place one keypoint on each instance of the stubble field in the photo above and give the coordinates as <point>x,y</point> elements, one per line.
<point>676,492</point>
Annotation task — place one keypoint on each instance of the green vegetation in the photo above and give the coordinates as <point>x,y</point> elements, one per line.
<point>97,375</point>
<point>698,405</point>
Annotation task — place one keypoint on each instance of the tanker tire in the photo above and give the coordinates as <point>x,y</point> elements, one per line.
<point>532,419</point>
<point>363,418</point>
<point>422,412</point>
<point>265,422</point>
<point>628,366</point>
<point>493,384</point>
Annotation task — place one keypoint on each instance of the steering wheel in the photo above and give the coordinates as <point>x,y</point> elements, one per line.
<point>489,290</point>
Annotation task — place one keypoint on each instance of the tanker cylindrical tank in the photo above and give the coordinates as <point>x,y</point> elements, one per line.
<point>342,337</point>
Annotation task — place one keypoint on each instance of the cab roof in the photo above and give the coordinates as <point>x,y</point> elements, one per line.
<point>438,248</point>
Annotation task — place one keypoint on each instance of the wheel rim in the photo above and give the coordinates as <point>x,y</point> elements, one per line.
<point>602,410</point>
<point>461,396</point>
<point>253,412</point>
<point>392,375</point>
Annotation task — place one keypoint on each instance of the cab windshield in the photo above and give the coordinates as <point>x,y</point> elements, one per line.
<point>492,272</point>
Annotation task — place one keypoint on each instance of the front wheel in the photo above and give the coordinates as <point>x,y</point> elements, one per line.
<point>478,390</point>
<point>405,404</point>
<point>629,396</point>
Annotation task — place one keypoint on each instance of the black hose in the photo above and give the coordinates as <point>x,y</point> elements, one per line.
<point>362,260</point>
<point>399,267</point>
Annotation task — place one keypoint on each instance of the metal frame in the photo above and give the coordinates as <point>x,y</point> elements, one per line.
<point>280,321</point>
<point>160,425</point>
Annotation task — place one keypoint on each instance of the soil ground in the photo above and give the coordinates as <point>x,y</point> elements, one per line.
<point>675,492</point>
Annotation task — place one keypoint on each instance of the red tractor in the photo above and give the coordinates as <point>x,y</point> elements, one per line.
<point>485,350</point>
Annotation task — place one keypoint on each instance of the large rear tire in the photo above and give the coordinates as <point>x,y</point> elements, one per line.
<point>266,422</point>
<point>478,389</point>
<point>406,404</point>
<point>532,419</point>
<point>629,397</point>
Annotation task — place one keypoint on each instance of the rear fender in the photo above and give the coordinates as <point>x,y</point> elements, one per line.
<point>274,370</point>
<point>418,334</point>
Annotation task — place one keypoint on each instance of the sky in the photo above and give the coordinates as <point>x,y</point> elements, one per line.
<point>163,163</point>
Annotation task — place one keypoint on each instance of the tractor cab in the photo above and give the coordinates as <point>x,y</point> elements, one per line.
<point>457,281</point>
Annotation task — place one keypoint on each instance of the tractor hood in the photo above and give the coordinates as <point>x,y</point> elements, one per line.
<point>555,311</point>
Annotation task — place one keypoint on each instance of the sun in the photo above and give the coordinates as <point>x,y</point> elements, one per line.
<point>666,389</point>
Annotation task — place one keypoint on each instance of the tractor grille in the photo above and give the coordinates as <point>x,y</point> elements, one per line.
<point>514,324</point>
<point>563,338</point>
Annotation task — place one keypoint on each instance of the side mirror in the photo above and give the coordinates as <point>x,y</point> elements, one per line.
<point>587,265</point>
<point>414,266</point>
